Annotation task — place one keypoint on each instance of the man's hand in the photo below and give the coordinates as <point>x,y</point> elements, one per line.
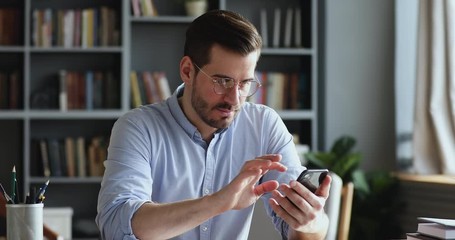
<point>242,191</point>
<point>301,209</point>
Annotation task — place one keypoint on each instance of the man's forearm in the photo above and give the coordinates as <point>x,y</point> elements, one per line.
<point>320,231</point>
<point>164,221</point>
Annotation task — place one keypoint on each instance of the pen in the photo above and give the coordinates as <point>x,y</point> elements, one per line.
<point>32,195</point>
<point>13,183</point>
<point>40,196</point>
<point>27,198</point>
<point>7,197</point>
<point>16,199</point>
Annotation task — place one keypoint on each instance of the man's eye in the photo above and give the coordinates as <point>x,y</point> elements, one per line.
<point>227,82</point>
<point>245,83</point>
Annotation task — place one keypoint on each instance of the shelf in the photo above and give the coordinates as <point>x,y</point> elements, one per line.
<point>297,114</point>
<point>76,50</point>
<point>12,49</point>
<point>162,19</point>
<point>288,51</point>
<point>74,114</point>
<point>65,180</point>
<point>12,114</point>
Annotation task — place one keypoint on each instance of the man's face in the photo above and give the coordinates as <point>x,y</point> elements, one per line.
<point>219,110</point>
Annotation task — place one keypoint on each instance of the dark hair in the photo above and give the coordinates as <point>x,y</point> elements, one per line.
<point>228,29</point>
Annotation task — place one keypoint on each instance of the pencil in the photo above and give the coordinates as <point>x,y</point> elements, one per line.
<point>7,197</point>
<point>13,183</point>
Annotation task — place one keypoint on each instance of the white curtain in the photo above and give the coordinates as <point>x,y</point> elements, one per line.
<point>434,122</point>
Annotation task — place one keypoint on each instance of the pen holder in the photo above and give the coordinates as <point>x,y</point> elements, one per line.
<point>24,221</point>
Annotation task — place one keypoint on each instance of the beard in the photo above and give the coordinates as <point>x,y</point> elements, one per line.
<point>203,110</point>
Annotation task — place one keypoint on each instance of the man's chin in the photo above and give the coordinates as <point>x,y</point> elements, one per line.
<point>222,123</point>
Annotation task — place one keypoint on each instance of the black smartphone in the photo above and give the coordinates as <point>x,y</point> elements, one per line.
<point>312,178</point>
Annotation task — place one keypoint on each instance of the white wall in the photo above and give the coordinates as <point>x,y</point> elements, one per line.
<point>405,76</point>
<point>359,78</point>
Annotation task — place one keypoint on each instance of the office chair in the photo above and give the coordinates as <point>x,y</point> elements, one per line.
<point>338,208</point>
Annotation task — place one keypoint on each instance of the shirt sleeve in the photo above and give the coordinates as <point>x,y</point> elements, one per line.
<point>126,182</point>
<point>280,141</point>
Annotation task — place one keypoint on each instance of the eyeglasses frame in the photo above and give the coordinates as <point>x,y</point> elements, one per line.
<point>236,83</point>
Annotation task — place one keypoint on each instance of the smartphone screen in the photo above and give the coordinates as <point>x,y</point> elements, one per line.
<point>312,178</point>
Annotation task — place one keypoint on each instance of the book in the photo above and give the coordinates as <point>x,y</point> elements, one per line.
<point>135,5</point>
<point>104,26</point>
<point>14,90</point>
<point>46,28</point>
<point>288,28</point>
<point>150,87</point>
<point>45,158</point>
<point>81,82</point>
<point>98,92</point>
<point>111,91</point>
<point>442,221</point>
<point>135,92</point>
<point>418,236</point>
<point>3,90</point>
<point>77,28</point>
<point>70,152</point>
<point>89,90</point>
<point>68,29</point>
<point>275,88</point>
<point>96,156</point>
<point>277,28</point>
<point>140,83</point>
<point>298,28</point>
<point>162,85</point>
<point>54,157</point>
<point>81,157</point>
<point>264,32</point>
<point>437,227</point>
<point>63,94</point>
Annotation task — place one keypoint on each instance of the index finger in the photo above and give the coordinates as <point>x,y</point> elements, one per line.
<point>266,163</point>
<point>271,157</point>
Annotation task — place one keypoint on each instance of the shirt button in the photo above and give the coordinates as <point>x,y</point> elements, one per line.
<point>204,229</point>
<point>206,191</point>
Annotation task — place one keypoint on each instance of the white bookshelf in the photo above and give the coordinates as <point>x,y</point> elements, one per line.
<point>146,43</point>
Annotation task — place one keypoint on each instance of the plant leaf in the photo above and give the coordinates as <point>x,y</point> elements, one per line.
<point>346,165</point>
<point>360,181</point>
<point>321,159</point>
<point>343,146</point>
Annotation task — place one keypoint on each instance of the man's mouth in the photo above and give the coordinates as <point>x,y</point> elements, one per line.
<point>225,109</point>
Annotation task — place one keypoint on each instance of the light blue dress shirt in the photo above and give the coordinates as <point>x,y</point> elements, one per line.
<point>156,154</point>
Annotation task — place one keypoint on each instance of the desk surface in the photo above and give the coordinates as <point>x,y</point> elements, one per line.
<point>439,179</point>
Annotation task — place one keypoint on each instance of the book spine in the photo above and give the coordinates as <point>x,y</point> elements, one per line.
<point>288,28</point>
<point>63,95</point>
<point>89,90</point>
<point>298,28</point>
<point>277,28</point>
<point>264,26</point>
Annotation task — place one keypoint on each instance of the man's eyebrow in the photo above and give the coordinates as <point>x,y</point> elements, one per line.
<point>225,76</point>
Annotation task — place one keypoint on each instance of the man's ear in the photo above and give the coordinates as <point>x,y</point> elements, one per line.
<point>186,70</point>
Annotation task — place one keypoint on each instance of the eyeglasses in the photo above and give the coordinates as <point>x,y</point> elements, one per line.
<point>221,85</point>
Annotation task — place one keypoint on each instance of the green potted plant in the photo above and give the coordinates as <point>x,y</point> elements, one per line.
<point>342,161</point>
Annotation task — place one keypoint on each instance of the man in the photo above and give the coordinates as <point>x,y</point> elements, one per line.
<point>193,166</point>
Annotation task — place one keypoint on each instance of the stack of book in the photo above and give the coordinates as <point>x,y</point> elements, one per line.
<point>433,228</point>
